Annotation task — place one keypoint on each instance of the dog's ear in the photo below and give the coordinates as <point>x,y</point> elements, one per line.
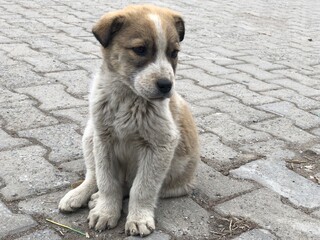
<point>105,29</point>
<point>180,27</point>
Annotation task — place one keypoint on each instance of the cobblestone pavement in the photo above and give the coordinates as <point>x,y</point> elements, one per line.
<point>250,70</point>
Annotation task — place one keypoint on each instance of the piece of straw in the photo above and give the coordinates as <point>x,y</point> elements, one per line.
<point>67,227</point>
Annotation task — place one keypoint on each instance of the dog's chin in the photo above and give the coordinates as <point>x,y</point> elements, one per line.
<point>158,96</point>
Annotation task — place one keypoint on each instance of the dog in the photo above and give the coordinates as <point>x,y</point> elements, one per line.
<point>140,139</point>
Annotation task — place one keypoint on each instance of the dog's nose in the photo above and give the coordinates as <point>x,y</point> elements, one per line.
<point>164,85</point>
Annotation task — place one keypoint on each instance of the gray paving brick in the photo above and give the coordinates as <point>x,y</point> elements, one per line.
<point>26,173</point>
<point>47,205</point>
<point>62,139</point>
<point>303,79</point>
<point>11,223</point>
<point>90,65</point>
<point>282,220</point>
<point>23,115</point>
<point>260,63</point>
<point>274,174</point>
<point>46,234</point>
<point>8,97</point>
<point>78,115</point>
<point>76,81</point>
<point>47,64</point>
<point>154,236</point>
<point>292,96</point>
<point>202,77</point>
<point>183,217</point>
<point>299,117</point>
<point>213,184</point>
<point>316,131</point>
<point>256,234</point>
<point>47,95</point>
<point>230,131</point>
<point>20,75</point>
<point>213,148</point>
<point>252,83</point>
<point>183,87</point>
<point>225,52</point>
<point>272,149</point>
<point>210,67</point>
<point>74,166</point>
<point>284,129</point>
<point>298,87</point>
<point>246,96</point>
<point>255,71</point>
<point>7,142</point>
<point>239,112</point>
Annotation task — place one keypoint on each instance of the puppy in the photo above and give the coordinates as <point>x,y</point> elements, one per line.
<point>140,139</point>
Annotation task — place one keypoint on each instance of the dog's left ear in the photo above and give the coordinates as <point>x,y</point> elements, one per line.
<point>105,29</point>
<point>180,27</point>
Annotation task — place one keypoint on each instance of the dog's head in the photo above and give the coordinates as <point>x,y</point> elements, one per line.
<point>141,43</point>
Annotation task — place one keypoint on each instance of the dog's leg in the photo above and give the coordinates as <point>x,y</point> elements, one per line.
<point>153,166</point>
<point>80,196</point>
<point>107,203</point>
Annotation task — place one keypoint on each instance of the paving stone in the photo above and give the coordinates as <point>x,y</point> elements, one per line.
<point>47,95</point>
<point>292,96</point>
<point>26,173</point>
<point>203,78</point>
<point>256,234</point>
<point>47,64</point>
<point>20,75</point>
<point>315,148</point>
<point>192,92</point>
<point>316,131</point>
<point>246,96</point>
<point>273,149</point>
<point>154,236</point>
<point>198,110</point>
<point>7,142</point>
<point>230,131</point>
<point>78,115</point>
<point>11,223</point>
<point>22,115</point>
<point>217,186</point>
<point>7,97</point>
<point>90,65</point>
<point>46,234</point>
<point>77,81</point>
<point>274,174</point>
<point>225,52</point>
<point>66,54</point>
<point>255,71</point>
<point>299,117</point>
<point>298,87</point>
<point>63,140</point>
<point>266,209</point>
<point>238,111</point>
<point>260,63</point>
<point>74,166</point>
<point>211,67</point>
<point>252,83</point>
<point>47,205</point>
<point>303,79</point>
<point>213,148</point>
<point>284,129</point>
<point>183,217</point>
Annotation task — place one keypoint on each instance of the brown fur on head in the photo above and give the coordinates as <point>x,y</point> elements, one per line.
<point>140,43</point>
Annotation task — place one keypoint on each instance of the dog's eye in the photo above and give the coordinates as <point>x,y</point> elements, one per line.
<point>140,51</point>
<point>174,53</point>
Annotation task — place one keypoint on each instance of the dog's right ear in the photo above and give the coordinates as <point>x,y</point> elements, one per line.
<point>105,29</point>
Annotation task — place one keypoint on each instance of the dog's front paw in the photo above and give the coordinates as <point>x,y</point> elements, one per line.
<point>102,216</point>
<point>73,200</point>
<point>140,224</point>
